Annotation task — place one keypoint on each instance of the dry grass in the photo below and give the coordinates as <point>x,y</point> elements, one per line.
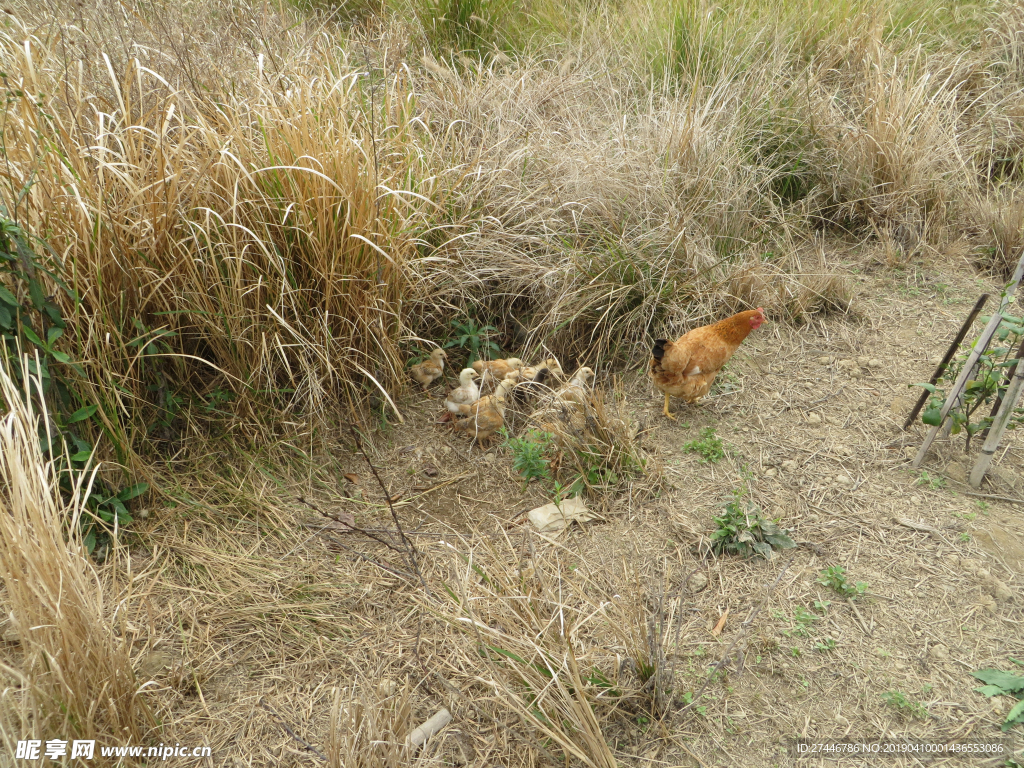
<point>294,201</point>
<point>302,201</point>
<point>596,445</point>
<point>74,677</point>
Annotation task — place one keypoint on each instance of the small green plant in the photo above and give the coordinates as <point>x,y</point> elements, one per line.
<point>983,507</point>
<point>154,352</point>
<point>905,705</point>
<point>709,446</point>
<point>528,455</point>
<point>825,646</point>
<point>999,683</point>
<point>743,531</point>
<point>821,606</point>
<point>835,577</point>
<point>935,483</point>
<point>32,324</point>
<point>700,709</point>
<point>988,383</point>
<point>476,339</point>
<point>802,622</point>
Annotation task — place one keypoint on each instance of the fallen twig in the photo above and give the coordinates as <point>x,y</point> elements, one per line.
<point>923,529</point>
<point>863,624</point>
<point>309,747</point>
<point>410,548</point>
<point>1010,499</point>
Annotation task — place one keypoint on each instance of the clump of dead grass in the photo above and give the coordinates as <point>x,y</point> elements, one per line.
<point>596,444</point>
<point>74,677</point>
<point>369,728</point>
<point>527,653</point>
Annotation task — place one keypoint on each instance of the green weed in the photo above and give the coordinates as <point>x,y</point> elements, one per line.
<point>32,327</point>
<point>905,705</point>
<point>709,446</point>
<point>743,531</point>
<point>528,455</point>
<point>835,577</point>
<point>476,339</point>
<point>999,683</point>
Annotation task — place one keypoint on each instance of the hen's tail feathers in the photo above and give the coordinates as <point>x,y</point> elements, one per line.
<point>659,349</point>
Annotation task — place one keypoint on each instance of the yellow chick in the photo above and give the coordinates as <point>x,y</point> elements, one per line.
<point>578,387</point>
<point>496,370</point>
<point>487,415</point>
<point>466,394</point>
<point>430,370</point>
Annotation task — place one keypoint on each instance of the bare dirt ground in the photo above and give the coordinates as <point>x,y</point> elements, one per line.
<point>260,616</point>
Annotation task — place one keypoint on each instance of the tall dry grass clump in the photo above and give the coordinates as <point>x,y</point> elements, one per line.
<point>72,678</point>
<point>258,221</point>
<point>240,241</point>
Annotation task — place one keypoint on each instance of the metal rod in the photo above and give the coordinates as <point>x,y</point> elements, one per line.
<point>949,356</point>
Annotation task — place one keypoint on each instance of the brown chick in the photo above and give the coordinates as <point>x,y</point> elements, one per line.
<point>578,387</point>
<point>530,372</point>
<point>431,369</point>
<point>686,368</point>
<point>487,415</point>
<point>496,370</point>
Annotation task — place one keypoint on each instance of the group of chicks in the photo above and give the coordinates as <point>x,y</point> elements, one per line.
<point>480,415</point>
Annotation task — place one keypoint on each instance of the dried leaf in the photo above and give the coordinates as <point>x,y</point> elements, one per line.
<point>721,624</point>
<point>352,478</point>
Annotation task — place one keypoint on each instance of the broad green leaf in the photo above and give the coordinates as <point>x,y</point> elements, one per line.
<point>990,690</point>
<point>931,417</point>
<point>1016,716</point>
<point>764,549</point>
<point>81,456</point>
<point>926,385</point>
<point>53,334</point>
<point>83,413</point>
<point>35,290</point>
<point>1008,681</point>
<point>31,335</point>
<point>7,297</point>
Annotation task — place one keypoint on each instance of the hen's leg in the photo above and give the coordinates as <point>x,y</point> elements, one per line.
<point>666,411</point>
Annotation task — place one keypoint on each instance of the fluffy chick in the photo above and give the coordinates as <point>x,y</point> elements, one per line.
<point>496,370</point>
<point>578,387</point>
<point>431,369</point>
<point>531,372</point>
<point>487,415</point>
<point>466,394</point>
<point>531,386</point>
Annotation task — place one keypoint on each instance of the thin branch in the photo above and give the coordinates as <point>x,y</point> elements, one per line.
<point>406,541</point>
<point>309,747</point>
